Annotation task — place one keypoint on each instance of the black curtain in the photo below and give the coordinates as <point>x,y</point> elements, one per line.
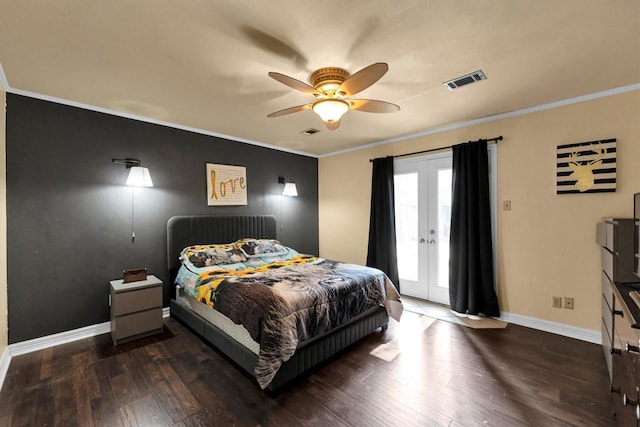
<point>471,279</point>
<point>382,253</point>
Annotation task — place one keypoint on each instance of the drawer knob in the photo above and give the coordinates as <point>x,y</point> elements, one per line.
<point>627,401</point>
<point>616,351</point>
<point>630,348</point>
<point>618,313</point>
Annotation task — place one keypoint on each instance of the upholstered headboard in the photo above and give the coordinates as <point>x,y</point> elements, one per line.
<point>183,231</point>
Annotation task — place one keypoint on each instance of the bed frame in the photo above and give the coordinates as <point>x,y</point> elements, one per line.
<point>184,231</point>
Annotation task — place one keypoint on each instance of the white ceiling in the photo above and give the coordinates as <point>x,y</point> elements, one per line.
<point>203,64</point>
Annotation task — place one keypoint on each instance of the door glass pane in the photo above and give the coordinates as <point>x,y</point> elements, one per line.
<point>406,201</point>
<point>444,224</point>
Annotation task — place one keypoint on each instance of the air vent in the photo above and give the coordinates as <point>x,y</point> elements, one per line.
<point>310,132</point>
<point>476,76</point>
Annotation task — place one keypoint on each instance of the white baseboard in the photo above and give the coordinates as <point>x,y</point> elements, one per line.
<point>582,334</point>
<point>41,343</point>
<point>5,361</point>
<point>24,347</point>
<point>36,344</point>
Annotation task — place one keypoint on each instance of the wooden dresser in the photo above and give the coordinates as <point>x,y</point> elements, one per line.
<point>621,317</point>
<point>136,309</point>
<point>625,384</point>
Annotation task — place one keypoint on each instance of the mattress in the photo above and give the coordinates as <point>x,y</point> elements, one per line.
<point>237,332</point>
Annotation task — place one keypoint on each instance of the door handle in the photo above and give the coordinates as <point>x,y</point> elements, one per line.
<point>432,241</point>
<point>422,240</point>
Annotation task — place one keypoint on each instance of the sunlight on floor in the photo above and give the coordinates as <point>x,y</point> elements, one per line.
<point>441,312</point>
<point>418,316</point>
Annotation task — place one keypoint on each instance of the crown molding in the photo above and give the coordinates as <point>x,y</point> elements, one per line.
<point>549,106</point>
<point>153,121</point>
<point>583,98</point>
<point>9,89</point>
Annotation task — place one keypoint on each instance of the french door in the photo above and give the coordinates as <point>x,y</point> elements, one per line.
<point>423,217</point>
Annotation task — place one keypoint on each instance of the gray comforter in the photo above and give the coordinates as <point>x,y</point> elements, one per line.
<point>286,305</point>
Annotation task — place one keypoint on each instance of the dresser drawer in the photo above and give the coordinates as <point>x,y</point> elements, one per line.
<point>608,262</point>
<point>605,235</point>
<point>616,238</point>
<point>606,348</point>
<point>607,292</point>
<point>626,341</point>
<point>607,320</point>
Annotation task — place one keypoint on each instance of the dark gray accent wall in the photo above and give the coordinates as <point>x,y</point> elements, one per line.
<point>69,214</point>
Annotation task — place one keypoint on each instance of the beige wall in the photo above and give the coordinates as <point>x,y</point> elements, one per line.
<point>546,242</point>
<point>3,225</point>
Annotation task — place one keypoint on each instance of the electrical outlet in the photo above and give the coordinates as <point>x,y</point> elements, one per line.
<point>557,302</point>
<point>568,303</point>
<point>506,205</point>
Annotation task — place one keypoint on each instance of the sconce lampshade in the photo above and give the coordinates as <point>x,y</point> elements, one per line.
<point>330,110</point>
<point>139,177</point>
<point>290,189</point>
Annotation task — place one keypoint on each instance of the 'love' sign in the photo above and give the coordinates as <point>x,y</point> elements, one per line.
<point>226,185</point>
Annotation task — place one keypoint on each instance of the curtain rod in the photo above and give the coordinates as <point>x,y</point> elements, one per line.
<point>496,139</point>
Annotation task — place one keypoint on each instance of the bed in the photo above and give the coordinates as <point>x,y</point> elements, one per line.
<point>251,346</point>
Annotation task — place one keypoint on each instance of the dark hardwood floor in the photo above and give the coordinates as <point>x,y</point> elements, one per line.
<point>423,372</point>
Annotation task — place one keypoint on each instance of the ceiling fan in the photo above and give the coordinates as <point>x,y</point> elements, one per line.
<point>332,87</point>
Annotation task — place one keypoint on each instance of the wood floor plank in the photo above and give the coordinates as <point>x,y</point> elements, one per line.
<point>143,412</point>
<point>421,372</point>
<point>24,413</point>
<point>64,402</point>
<point>45,363</point>
<point>174,398</point>
<point>45,403</point>
<point>105,411</point>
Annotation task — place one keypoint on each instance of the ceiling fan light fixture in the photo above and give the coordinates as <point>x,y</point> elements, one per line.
<point>327,80</point>
<point>333,89</point>
<point>330,110</point>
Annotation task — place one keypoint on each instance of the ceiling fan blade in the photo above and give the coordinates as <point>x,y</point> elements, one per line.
<point>373,106</point>
<point>290,110</point>
<point>363,79</point>
<point>333,125</point>
<point>294,83</point>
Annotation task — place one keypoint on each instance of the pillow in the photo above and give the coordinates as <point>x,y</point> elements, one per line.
<point>252,248</point>
<point>186,279</point>
<point>209,255</point>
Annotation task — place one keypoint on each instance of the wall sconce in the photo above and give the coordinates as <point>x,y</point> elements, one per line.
<point>289,188</point>
<point>138,177</point>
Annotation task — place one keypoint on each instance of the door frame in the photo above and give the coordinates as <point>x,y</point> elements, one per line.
<point>425,165</point>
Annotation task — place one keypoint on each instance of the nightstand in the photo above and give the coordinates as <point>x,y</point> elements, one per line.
<point>136,309</point>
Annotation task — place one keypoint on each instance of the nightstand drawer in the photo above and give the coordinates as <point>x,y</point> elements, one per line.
<point>138,323</point>
<point>137,300</point>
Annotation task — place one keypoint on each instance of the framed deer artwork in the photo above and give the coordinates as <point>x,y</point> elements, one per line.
<point>586,167</point>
